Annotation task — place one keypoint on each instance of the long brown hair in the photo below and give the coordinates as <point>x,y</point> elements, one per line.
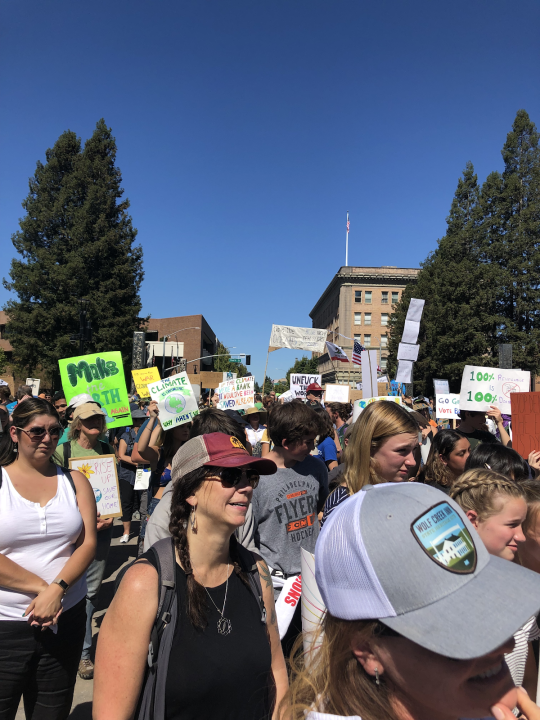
<point>23,414</point>
<point>435,469</point>
<point>332,680</point>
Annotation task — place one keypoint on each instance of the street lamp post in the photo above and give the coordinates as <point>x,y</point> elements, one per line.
<point>165,337</point>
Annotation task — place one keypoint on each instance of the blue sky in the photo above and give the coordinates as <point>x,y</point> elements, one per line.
<point>247,128</point>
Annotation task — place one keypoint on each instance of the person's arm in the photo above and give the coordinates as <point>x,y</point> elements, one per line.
<point>122,450</point>
<point>279,668</point>
<point>122,646</point>
<point>147,443</point>
<point>495,414</point>
<point>47,605</point>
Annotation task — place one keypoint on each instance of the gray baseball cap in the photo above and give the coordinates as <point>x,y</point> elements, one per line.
<point>406,554</point>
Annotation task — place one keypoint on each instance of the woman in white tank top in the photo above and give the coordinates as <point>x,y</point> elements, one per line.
<point>47,541</point>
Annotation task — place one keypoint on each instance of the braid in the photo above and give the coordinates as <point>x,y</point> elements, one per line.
<point>478,489</point>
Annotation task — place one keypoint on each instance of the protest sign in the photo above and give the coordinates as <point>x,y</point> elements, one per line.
<point>284,336</point>
<point>313,607</point>
<point>404,371</point>
<point>237,394</point>
<point>410,331</point>
<point>102,376</point>
<point>447,406</point>
<point>300,382</point>
<point>383,379</point>
<point>415,310</point>
<point>485,386</point>
<point>228,376</point>
<point>441,387</point>
<point>407,352</point>
<point>286,396</point>
<point>144,377</point>
<point>360,405</point>
<point>100,471</point>
<point>336,393</point>
<point>176,401</point>
<point>526,422</point>
<point>34,383</point>
<point>369,373</point>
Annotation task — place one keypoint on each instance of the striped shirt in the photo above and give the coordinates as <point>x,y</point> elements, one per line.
<point>333,500</point>
<point>517,658</point>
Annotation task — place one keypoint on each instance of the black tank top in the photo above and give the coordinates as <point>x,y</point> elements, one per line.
<point>213,676</point>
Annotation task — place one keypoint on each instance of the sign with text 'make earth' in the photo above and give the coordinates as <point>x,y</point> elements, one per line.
<point>176,400</point>
<point>102,376</point>
<point>237,394</point>
<point>485,386</point>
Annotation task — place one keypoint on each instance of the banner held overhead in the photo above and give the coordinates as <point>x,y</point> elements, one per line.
<point>296,338</point>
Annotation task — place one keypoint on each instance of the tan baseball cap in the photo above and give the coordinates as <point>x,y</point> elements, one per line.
<point>87,410</point>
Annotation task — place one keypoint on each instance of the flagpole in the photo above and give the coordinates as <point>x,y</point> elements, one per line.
<point>347,243</point>
<point>265,369</point>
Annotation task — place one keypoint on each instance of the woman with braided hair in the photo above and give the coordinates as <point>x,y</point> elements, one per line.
<point>497,507</point>
<point>224,661</point>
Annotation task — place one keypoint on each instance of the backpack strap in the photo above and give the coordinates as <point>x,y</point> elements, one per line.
<point>249,566</point>
<point>104,447</point>
<point>166,567</point>
<point>69,476</point>
<point>67,452</point>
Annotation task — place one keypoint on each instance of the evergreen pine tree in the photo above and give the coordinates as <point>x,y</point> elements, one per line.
<point>76,241</point>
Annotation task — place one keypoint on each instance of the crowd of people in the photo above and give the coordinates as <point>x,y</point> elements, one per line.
<point>426,545</point>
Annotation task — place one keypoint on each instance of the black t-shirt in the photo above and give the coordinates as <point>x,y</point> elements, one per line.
<point>478,436</point>
<point>219,676</point>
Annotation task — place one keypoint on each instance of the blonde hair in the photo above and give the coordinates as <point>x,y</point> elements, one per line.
<point>378,422</point>
<point>479,490</point>
<point>332,680</point>
<point>531,489</point>
<point>75,428</point>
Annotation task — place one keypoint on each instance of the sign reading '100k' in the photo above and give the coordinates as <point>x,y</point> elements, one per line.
<point>483,386</point>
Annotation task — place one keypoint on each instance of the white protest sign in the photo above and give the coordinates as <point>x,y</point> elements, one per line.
<point>359,386</point>
<point>229,376</point>
<point>442,387</point>
<point>404,371</point>
<point>237,394</point>
<point>313,607</point>
<point>286,396</point>
<point>369,373</point>
<point>360,405</point>
<point>447,406</point>
<point>142,479</point>
<point>337,393</point>
<point>176,401</point>
<point>284,336</point>
<point>484,386</point>
<point>100,471</point>
<point>416,308</point>
<point>299,383</point>
<point>383,378</point>
<point>407,352</point>
<point>34,384</point>
<point>410,331</point>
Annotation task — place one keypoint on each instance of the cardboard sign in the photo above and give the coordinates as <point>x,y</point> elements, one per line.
<point>441,387</point>
<point>144,377</point>
<point>337,393</point>
<point>299,383</point>
<point>176,401</point>
<point>34,384</point>
<point>102,376</point>
<point>360,405</point>
<point>484,386</point>
<point>526,422</point>
<point>100,471</point>
<point>237,394</point>
<point>447,406</point>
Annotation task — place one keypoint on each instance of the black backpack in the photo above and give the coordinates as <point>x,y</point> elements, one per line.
<point>151,705</point>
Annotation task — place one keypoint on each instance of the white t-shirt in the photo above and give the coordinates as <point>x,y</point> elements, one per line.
<point>255,437</point>
<point>39,539</point>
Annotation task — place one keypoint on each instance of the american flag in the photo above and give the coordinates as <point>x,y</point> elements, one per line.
<point>357,349</point>
<point>348,224</point>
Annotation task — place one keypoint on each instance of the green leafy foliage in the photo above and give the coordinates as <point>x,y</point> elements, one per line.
<point>3,362</point>
<point>75,241</point>
<point>308,366</point>
<point>223,363</point>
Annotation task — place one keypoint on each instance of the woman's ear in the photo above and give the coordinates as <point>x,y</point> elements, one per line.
<point>473,517</point>
<point>442,459</point>
<point>192,500</point>
<point>365,656</point>
<point>13,434</point>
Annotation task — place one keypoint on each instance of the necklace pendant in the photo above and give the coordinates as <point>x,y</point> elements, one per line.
<point>224,626</point>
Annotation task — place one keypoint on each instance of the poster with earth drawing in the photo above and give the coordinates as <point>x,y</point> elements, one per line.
<point>176,401</point>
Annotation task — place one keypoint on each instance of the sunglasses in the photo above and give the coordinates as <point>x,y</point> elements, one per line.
<point>36,432</point>
<point>231,477</point>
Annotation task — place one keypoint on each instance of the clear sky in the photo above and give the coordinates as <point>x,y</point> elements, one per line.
<point>247,128</point>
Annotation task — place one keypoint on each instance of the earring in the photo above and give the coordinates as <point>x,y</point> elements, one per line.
<point>377,681</point>
<point>193,521</point>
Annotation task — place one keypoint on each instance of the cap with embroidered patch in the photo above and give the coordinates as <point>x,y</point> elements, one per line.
<point>407,555</point>
<point>219,450</point>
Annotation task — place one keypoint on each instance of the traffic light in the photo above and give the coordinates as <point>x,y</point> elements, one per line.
<point>248,359</point>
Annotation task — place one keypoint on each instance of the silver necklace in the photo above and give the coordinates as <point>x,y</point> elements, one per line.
<point>223,624</point>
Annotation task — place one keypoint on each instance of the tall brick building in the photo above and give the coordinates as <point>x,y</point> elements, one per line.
<point>357,304</point>
<point>194,338</point>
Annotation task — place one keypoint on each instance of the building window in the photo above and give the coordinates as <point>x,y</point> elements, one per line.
<point>367,341</point>
<point>357,318</point>
<point>368,297</point>
<point>383,363</point>
<point>384,297</point>
<point>359,338</point>
<point>357,296</point>
<point>384,319</point>
<point>384,341</point>
<point>395,298</point>
<point>367,318</point>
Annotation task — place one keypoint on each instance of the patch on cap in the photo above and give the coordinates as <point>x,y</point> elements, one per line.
<point>236,442</point>
<point>442,535</point>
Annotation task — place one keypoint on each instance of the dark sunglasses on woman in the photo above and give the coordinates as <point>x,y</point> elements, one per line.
<point>36,432</point>
<point>231,477</point>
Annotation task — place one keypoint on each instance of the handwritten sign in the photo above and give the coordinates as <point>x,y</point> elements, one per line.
<point>100,471</point>
<point>526,422</point>
<point>144,377</point>
<point>299,383</point>
<point>484,386</point>
<point>360,405</point>
<point>441,387</point>
<point>337,393</point>
<point>176,400</point>
<point>102,376</point>
<point>237,394</point>
<point>284,336</point>
<point>447,406</point>
<point>34,384</point>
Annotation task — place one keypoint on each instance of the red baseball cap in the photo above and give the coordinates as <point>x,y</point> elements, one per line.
<point>314,386</point>
<point>219,450</point>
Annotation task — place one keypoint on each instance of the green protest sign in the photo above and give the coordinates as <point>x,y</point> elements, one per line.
<point>101,376</point>
<point>176,401</point>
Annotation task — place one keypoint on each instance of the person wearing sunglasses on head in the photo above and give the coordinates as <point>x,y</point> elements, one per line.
<point>225,661</point>
<point>47,541</point>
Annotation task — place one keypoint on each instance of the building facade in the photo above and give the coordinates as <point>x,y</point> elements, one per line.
<point>357,305</point>
<point>191,338</point>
